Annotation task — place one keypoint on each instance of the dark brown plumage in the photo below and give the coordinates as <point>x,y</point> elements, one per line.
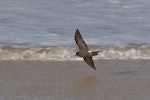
<point>84,50</point>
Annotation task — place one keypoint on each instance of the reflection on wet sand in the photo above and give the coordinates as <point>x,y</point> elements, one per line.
<point>113,80</point>
<point>85,88</point>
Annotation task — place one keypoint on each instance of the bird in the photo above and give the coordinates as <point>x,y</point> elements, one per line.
<point>84,50</point>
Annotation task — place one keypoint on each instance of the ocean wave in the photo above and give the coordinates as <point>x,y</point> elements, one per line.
<point>68,53</point>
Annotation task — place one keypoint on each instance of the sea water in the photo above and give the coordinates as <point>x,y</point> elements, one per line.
<point>44,29</point>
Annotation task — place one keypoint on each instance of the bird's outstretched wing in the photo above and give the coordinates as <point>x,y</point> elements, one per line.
<point>80,42</point>
<point>90,62</point>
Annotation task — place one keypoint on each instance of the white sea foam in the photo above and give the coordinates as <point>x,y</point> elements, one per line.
<point>68,53</point>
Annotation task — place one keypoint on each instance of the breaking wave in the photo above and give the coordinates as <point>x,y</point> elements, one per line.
<point>68,53</point>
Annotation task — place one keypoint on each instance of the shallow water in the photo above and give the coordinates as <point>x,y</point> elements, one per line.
<point>66,53</point>
<point>44,30</point>
<point>53,23</point>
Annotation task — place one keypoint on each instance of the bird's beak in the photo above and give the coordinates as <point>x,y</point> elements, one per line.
<point>75,55</point>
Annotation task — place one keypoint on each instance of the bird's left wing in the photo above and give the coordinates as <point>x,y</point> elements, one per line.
<point>90,62</point>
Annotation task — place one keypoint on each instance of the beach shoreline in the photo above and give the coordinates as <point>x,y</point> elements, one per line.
<point>75,80</point>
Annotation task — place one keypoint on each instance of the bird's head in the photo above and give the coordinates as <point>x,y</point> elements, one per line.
<point>77,54</point>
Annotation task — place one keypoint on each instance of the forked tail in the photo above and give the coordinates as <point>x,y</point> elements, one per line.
<point>94,53</point>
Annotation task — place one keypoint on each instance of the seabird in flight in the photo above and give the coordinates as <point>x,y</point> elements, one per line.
<point>84,50</point>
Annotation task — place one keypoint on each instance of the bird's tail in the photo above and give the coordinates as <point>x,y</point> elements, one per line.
<point>94,53</point>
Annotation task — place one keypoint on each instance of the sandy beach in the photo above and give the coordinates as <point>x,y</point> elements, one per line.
<point>74,80</point>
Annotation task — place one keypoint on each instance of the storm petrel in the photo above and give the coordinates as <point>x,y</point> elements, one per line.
<point>84,50</point>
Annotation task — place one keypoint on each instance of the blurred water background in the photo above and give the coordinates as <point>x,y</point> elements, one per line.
<point>50,23</point>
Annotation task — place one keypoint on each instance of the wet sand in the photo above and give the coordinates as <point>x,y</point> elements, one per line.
<point>74,80</point>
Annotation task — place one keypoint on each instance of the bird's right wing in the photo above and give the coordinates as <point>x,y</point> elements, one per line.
<point>90,62</point>
<point>80,42</point>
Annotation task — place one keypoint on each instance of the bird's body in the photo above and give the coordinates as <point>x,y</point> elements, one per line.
<point>83,53</point>
<point>84,50</point>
